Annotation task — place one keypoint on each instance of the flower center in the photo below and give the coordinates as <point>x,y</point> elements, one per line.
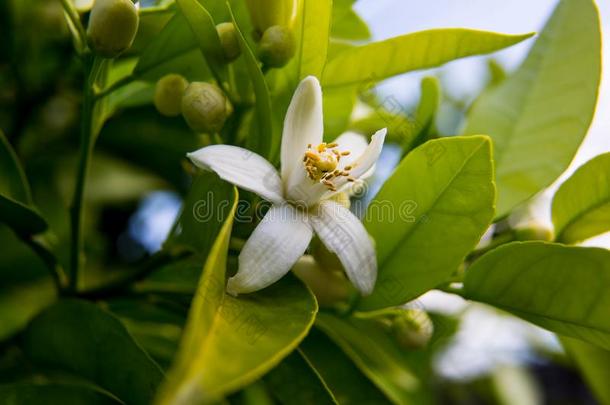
<point>322,164</point>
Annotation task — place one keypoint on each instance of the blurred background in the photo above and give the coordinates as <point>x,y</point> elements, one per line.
<point>487,358</point>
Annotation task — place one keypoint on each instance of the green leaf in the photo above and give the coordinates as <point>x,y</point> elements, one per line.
<point>538,116</point>
<point>594,364</point>
<point>295,381</point>
<point>204,29</point>
<point>173,50</point>
<point>53,394</point>
<point>346,24</point>
<point>561,288</point>
<point>581,206</point>
<point>338,104</point>
<point>265,141</point>
<point>420,50</point>
<point>71,333</point>
<point>428,216</point>
<point>374,353</point>
<point>315,28</point>
<point>16,208</point>
<point>204,213</point>
<point>346,382</point>
<point>21,302</point>
<point>230,342</point>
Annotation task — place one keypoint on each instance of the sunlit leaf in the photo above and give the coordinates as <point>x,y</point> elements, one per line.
<point>428,216</point>
<point>581,206</point>
<point>561,288</point>
<point>594,363</point>
<point>69,334</point>
<point>538,116</point>
<point>420,50</point>
<point>315,27</point>
<point>346,24</point>
<point>230,342</point>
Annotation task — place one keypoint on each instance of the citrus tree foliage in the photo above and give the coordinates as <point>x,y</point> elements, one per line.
<point>140,87</point>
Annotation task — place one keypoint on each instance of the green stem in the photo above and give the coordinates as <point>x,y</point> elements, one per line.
<point>499,240</point>
<point>86,150</point>
<point>48,258</point>
<point>75,20</point>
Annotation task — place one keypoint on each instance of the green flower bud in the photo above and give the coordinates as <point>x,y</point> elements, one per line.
<point>266,13</point>
<point>205,107</point>
<point>277,46</point>
<point>168,94</point>
<point>412,328</point>
<point>534,232</point>
<point>228,40</point>
<point>329,287</point>
<point>113,25</point>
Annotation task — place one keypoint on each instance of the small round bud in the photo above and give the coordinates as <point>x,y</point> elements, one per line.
<point>228,40</point>
<point>205,107</point>
<point>329,287</point>
<point>113,25</point>
<point>277,46</point>
<point>168,94</point>
<point>265,13</point>
<point>412,328</point>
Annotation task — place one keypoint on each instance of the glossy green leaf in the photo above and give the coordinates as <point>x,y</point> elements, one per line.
<point>204,29</point>
<point>338,104</point>
<point>53,394</point>
<point>16,209</point>
<point>346,24</point>
<point>347,383</point>
<point>428,216</point>
<point>69,334</point>
<point>581,206</point>
<point>561,288</point>
<point>315,28</point>
<point>295,381</point>
<point>230,342</point>
<point>265,140</point>
<point>374,352</point>
<point>594,364</point>
<point>420,50</point>
<point>538,116</point>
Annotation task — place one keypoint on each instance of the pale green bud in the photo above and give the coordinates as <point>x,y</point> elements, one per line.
<point>266,13</point>
<point>329,287</point>
<point>412,328</point>
<point>205,107</point>
<point>113,25</point>
<point>228,40</point>
<point>534,232</point>
<point>277,46</point>
<point>168,94</point>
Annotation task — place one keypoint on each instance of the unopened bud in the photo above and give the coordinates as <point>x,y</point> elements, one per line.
<point>277,46</point>
<point>228,40</point>
<point>113,25</point>
<point>168,94</point>
<point>534,232</point>
<point>330,287</point>
<point>412,328</point>
<point>205,107</point>
<point>266,13</point>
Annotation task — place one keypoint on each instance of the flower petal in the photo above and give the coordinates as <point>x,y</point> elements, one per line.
<point>241,167</point>
<point>343,234</point>
<point>363,166</point>
<point>303,124</point>
<point>275,245</point>
<point>353,142</point>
